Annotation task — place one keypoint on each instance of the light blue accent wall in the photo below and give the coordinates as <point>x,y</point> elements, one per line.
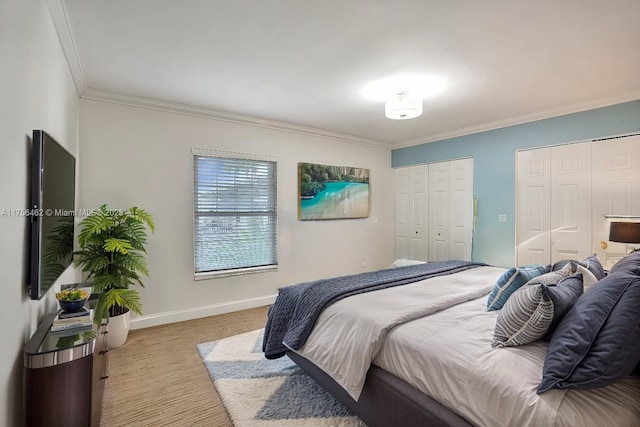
<point>493,153</point>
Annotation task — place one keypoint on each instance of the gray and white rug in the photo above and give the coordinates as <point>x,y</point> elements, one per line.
<point>261,392</point>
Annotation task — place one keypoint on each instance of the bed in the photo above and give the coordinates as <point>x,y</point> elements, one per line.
<point>416,345</point>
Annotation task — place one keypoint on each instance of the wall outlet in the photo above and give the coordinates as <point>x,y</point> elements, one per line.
<point>374,219</point>
<point>363,262</point>
<point>502,218</point>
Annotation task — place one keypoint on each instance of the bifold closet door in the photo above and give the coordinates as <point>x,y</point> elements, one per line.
<point>439,211</point>
<point>451,210</point>
<point>616,191</point>
<point>571,201</point>
<point>461,205</point>
<point>411,212</point>
<point>533,212</point>
<point>554,204</point>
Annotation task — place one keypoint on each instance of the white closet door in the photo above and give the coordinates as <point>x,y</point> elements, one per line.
<point>570,201</point>
<point>402,209</point>
<point>439,208</point>
<point>461,209</point>
<point>420,212</point>
<point>533,193</point>
<point>412,212</point>
<point>616,191</point>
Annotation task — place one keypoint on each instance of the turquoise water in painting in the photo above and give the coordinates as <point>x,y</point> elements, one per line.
<point>340,199</point>
<point>333,188</point>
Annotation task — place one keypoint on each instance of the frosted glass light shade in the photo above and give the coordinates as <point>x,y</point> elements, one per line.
<point>403,107</point>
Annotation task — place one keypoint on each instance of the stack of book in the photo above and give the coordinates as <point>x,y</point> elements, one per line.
<point>65,321</point>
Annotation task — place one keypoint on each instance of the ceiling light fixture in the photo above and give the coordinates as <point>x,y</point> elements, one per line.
<point>403,93</point>
<point>403,107</point>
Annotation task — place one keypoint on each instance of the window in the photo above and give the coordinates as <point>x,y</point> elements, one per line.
<point>234,215</point>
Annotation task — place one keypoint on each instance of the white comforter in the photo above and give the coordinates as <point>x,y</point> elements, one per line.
<point>349,334</point>
<point>447,354</point>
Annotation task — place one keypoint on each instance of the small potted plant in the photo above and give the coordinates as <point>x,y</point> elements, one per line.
<point>72,300</point>
<point>112,250</point>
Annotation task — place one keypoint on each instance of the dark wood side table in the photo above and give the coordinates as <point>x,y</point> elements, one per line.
<point>64,375</point>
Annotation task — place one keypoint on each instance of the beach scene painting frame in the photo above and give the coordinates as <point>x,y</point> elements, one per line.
<point>332,192</point>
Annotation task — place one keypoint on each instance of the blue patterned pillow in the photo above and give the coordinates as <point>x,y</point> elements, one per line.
<point>510,281</point>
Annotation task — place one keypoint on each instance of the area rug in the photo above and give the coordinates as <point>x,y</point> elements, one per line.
<point>261,392</point>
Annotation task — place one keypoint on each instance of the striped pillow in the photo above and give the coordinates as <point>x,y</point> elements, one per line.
<point>552,277</point>
<point>510,281</point>
<point>525,317</point>
<point>532,310</point>
<point>591,263</point>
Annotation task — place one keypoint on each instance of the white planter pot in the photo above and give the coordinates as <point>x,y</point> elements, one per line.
<point>118,330</point>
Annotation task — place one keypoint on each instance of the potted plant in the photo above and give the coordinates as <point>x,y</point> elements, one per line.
<point>112,250</point>
<point>72,300</point>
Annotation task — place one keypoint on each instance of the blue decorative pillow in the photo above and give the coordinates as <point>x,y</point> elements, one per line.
<point>630,263</point>
<point>532,310</point>
<point>598,341</point>
<point>510,281</point>
<point>592,263</point>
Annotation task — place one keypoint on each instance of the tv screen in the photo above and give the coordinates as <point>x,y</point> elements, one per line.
<point>53,179</point>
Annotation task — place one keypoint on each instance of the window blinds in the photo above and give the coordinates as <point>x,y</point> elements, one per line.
<point>235,214</point>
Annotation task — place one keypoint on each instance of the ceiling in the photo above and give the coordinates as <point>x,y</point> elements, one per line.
<point>301,65</point>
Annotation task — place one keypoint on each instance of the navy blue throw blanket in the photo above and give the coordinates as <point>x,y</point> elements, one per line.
<point>296,309</point>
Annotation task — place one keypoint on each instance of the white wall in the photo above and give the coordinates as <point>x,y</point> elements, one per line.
<point>36,92</point>
<point>136,156</point>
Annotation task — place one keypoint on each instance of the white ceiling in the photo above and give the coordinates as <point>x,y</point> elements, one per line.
<point>302,64</point>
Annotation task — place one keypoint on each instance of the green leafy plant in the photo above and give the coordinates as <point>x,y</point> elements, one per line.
<point>112,250</point>
<point>58,249</point>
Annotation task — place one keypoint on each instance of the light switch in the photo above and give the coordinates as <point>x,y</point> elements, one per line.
<point>502,218</point>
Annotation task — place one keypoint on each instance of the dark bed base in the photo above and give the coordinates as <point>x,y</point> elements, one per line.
<point>386,400</point>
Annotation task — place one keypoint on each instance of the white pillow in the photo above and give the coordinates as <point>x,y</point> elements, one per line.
<point>403,262</point>
<point>588,278</point>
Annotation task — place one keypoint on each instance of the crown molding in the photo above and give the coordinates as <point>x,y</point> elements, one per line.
<point>63,26</point>
<point>527,118</point>
<point>207,113</point>
<point>65,32</point>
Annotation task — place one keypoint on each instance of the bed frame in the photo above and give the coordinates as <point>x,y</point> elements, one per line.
<point>386,400</point>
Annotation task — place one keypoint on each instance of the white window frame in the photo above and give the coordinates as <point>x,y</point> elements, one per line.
<point>202,275</point>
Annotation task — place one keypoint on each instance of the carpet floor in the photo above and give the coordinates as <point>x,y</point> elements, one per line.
<point>157,377</point>
<point>260,392</point>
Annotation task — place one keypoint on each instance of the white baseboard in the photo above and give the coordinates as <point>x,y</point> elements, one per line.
<point>199,312</point>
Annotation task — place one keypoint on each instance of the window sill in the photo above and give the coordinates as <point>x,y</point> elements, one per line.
<point>235,272</point>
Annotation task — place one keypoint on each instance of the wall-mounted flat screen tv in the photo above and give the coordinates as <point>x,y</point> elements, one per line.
<point>53,189</point>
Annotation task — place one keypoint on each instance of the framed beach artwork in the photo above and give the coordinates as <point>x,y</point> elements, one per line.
<point>332,192</point>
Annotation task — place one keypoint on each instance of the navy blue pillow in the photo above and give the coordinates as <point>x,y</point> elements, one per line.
<point>592,263</point>
<point>598,341</point>
<point>564,295</point>
<point>630,263</point>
